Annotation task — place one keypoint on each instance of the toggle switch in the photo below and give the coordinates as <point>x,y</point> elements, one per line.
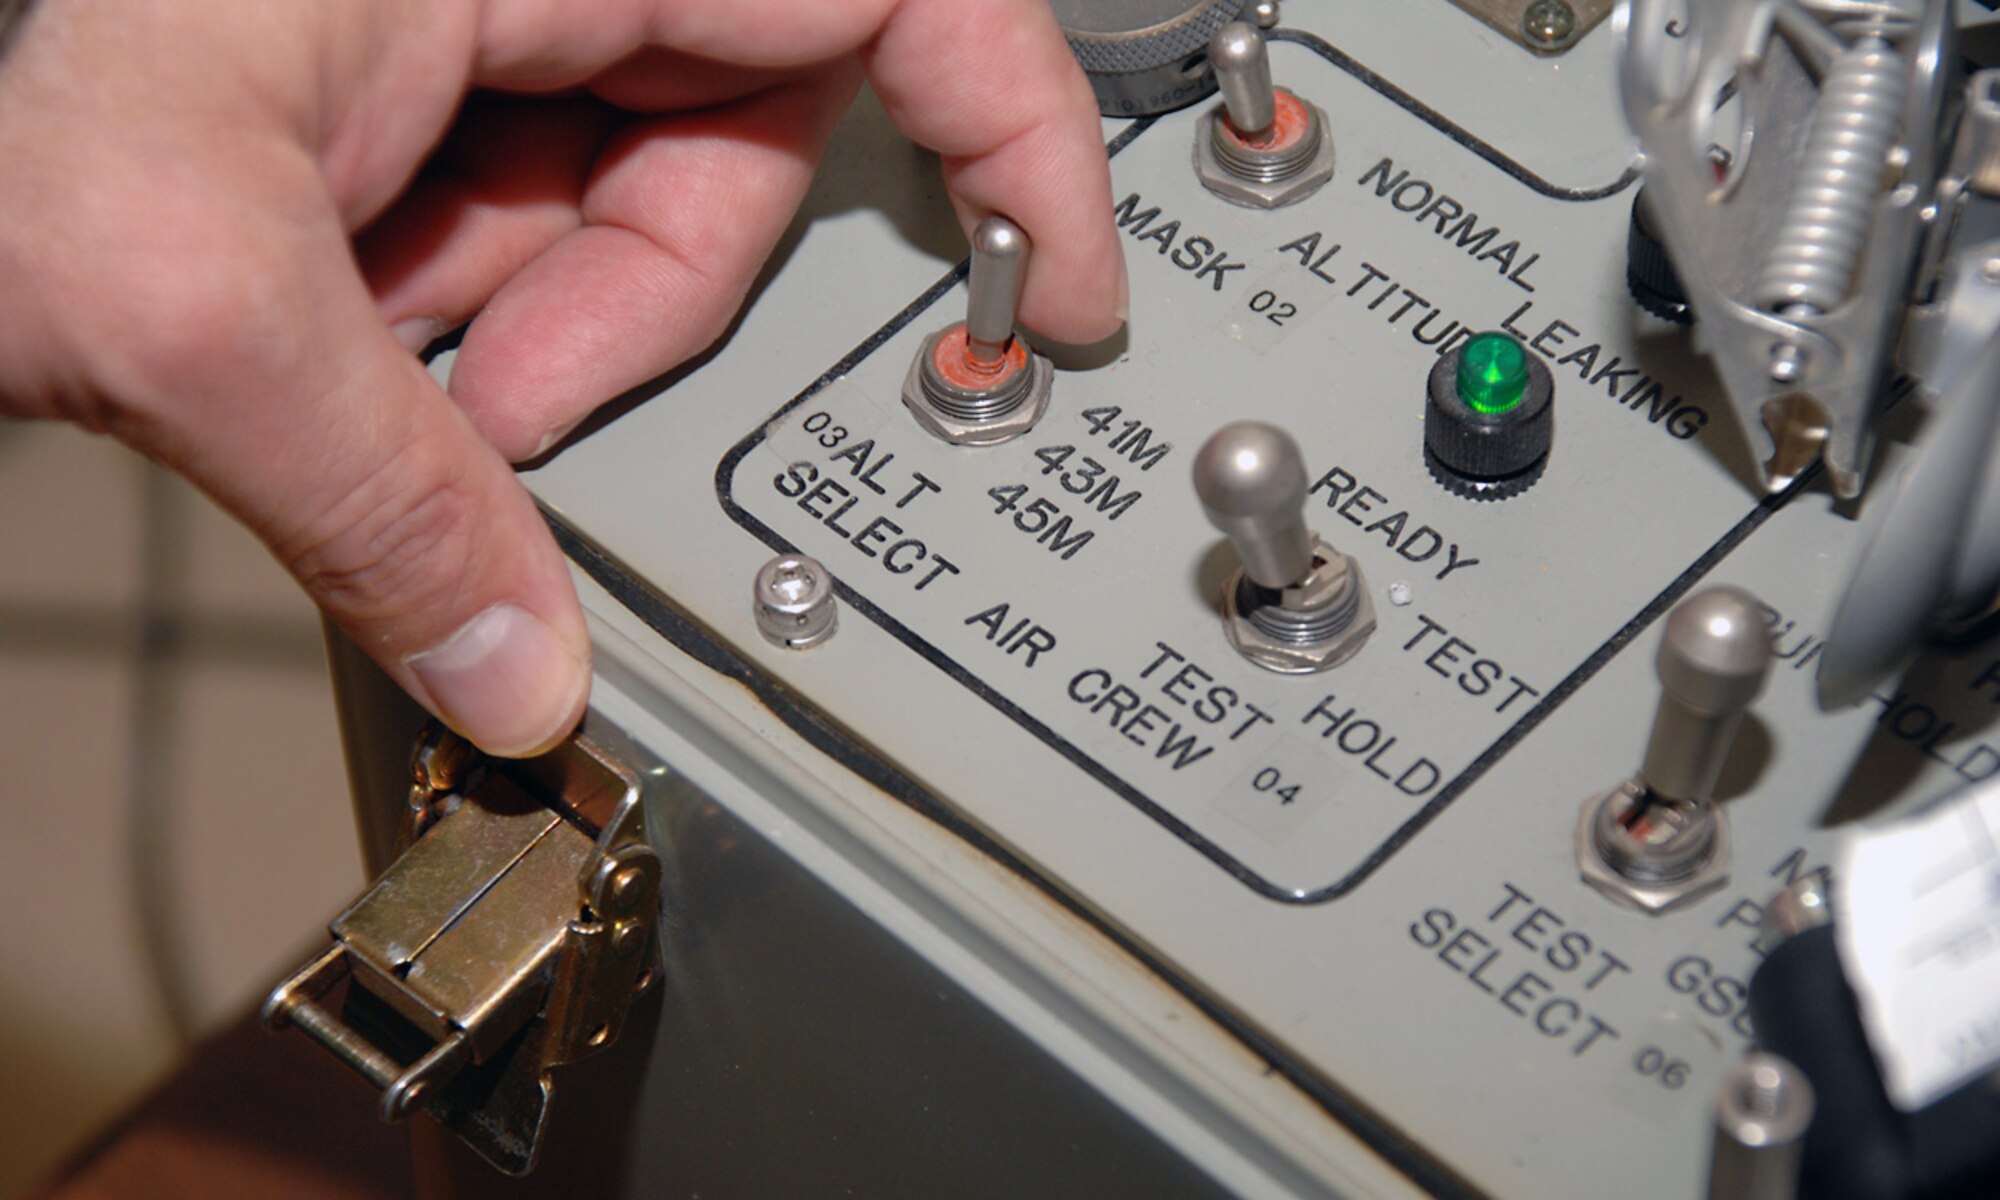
<point>1658,841</point>
<point>1262,147</point>
<point>977,383</point>
<point>1296,605</point>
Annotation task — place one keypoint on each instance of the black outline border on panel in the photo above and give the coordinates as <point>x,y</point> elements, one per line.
<point>1459,783</point>
<point>828,735</point>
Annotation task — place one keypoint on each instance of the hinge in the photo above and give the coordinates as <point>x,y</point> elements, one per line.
<point>510,937</point>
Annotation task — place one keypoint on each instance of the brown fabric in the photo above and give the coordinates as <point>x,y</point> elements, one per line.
<point>250,1115</point>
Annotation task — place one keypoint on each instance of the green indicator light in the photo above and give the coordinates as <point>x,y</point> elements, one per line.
<point>1492,373</point>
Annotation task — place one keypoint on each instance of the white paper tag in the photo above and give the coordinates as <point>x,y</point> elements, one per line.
<point>1918,924</point>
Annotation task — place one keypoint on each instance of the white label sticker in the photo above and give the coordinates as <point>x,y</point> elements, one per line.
<point>836,420</point>
<point>1271,305</point>
<point>1918,924</point>
<point>1281,790</point>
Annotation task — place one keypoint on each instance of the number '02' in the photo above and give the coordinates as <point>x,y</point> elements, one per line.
<point>1274,310</point>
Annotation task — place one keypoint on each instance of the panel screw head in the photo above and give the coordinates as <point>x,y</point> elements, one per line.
<point>793,599</point>
<point>1549,25</point>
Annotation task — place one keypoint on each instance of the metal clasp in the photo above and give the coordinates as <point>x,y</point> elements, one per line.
<point>510,938</point>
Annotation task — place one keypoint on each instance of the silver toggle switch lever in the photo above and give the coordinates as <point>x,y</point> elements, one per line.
<point>1296,605</point>
<point>976,382</point>
<point>1658,841</point>
<point>1242,65</point>
<point>1714,658</point>
<point>999,268</point>
<point>1262,146</point>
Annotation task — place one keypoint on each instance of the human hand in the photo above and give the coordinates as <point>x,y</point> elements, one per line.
<point>217,246</point>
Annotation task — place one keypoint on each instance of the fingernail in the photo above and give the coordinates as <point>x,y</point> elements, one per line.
<point>549,440</point>
<point>1122,306</point>
<point>504,680</point>
<point>416,333</point>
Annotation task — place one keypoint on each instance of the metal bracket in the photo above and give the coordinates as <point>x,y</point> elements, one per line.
<point>510,938</point>
<point>1542,27</point>
<point>1743,139</point>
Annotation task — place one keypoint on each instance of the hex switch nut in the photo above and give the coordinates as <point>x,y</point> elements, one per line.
<point>1650,896</point>
<point>1258,178</point>
<point>984,415</point>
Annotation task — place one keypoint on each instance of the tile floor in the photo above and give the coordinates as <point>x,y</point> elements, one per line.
<point>174,822</point>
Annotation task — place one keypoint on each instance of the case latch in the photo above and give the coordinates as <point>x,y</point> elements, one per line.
<point>510,938</point>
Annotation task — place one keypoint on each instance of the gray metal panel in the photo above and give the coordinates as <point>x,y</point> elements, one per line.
<point>795,1048</point>
<point>1411,942</point>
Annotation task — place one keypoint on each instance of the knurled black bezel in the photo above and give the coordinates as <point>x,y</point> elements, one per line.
<point>1487,456</point>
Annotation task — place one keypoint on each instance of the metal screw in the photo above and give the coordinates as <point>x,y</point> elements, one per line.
<point>793,598</point>
<point>1549,26</point>
<point>1265,13</point>
<point>1803,904</point>
<point>1762,1112</point>
<point>1989,271</point>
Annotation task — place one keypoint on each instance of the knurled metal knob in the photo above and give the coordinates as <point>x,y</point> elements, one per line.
<point>1145,56</point>
<point>1649,272</point>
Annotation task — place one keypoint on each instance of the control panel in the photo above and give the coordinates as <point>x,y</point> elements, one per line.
<point>1389,639</point>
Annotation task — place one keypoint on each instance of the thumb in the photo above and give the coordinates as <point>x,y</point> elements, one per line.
<point>422,546</point>
<point>338,449</point>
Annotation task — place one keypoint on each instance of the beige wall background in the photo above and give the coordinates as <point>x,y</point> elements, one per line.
<point>174,821</point>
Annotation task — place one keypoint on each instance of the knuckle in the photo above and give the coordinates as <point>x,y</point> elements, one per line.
<point>396,547</point>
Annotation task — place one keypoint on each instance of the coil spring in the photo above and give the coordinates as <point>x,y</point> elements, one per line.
<point>1819,244</point>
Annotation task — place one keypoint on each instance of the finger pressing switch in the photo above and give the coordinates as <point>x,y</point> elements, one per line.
<point>1296,605</point>
<point>1262,147</point>
<point>976,382</point>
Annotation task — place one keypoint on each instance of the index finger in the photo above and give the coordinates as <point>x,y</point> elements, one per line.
<point>988,84</point>
<point>991,86</point>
